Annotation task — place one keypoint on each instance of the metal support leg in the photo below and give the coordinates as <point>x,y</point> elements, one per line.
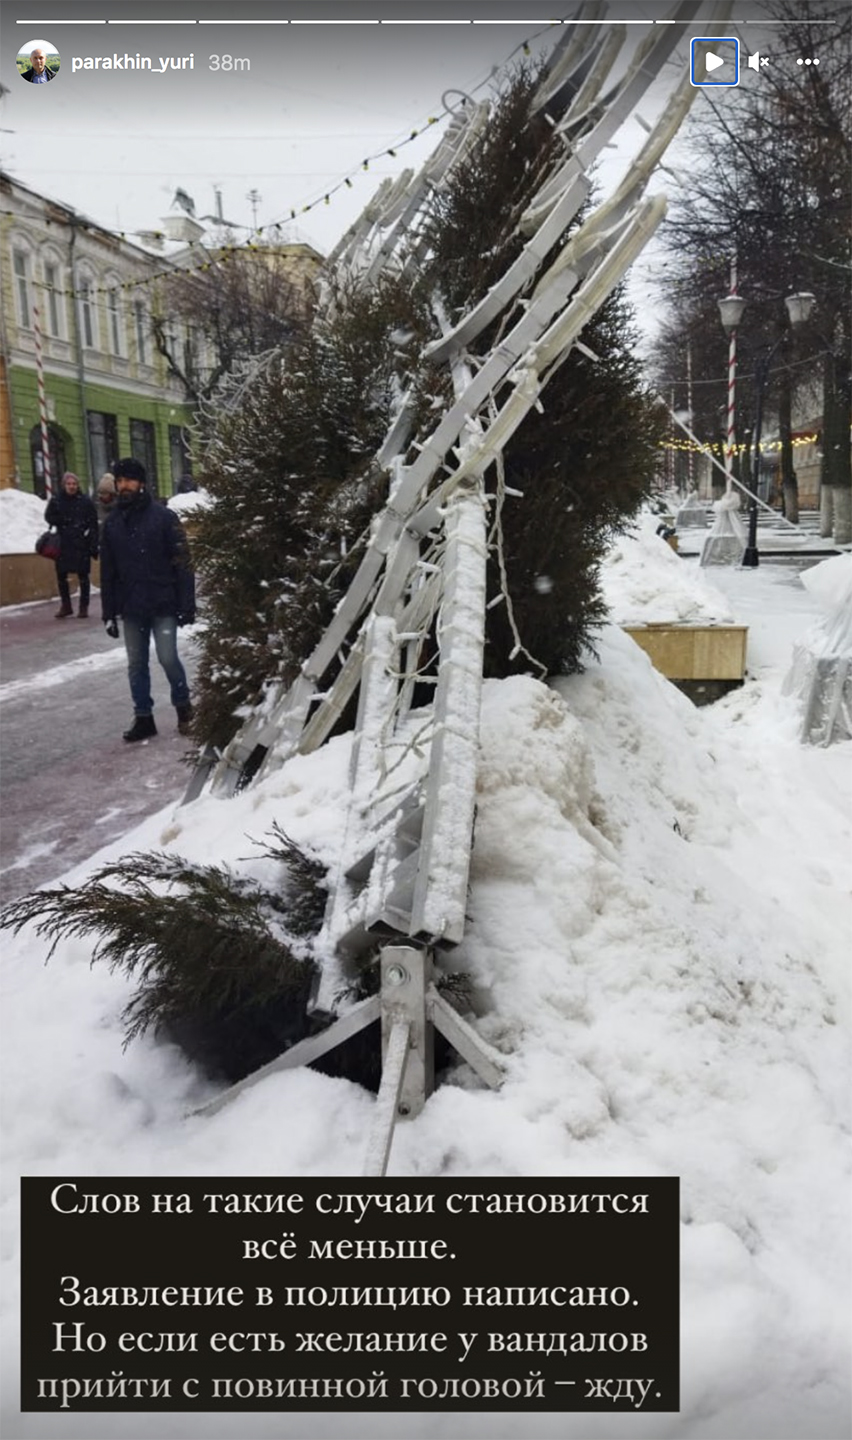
<point>387,1101</point>
<point>302,1053</point>
<point>406,974</point>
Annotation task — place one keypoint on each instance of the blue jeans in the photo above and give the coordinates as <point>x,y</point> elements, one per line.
<point>137,643</point>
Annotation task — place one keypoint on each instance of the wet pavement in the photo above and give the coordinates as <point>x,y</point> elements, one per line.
<point>68,782</point>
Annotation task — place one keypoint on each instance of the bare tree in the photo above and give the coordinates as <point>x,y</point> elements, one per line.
<point>237,303</point>
<point>771,181</point>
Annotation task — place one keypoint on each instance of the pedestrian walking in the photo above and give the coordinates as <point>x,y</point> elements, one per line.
<point>73,514</point>
<point>105,503</point>
<point>147,582</point>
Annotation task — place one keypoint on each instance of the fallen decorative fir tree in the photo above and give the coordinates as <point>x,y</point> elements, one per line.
<point>290,460</point>
<point>222,965</point>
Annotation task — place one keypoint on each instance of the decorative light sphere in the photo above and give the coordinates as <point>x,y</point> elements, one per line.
<point>730,311</point>
<point>799,307</point>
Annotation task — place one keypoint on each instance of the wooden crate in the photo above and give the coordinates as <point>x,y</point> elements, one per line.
<point>693,652</point>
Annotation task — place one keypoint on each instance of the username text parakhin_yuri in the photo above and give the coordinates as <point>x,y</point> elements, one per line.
<point>133,62</point>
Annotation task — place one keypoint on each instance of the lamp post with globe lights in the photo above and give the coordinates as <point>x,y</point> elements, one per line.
<point>731,310</point>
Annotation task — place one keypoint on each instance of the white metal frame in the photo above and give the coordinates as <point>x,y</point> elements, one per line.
<point>403,873</point>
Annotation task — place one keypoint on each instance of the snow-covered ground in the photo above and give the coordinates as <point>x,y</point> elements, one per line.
<point>659,943</point>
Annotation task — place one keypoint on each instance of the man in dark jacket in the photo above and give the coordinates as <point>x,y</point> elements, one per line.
<point>146,579</point>
<point>75,517</point>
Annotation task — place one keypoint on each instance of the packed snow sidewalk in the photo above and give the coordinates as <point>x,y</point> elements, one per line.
<point>658,942</point>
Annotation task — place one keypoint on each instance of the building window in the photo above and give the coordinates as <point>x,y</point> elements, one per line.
<point>103,441</point>
<point>143,446</point>
<point>51,295</point>
<point>178,455</point>
<point>21,266</point>
<point>115,325</point>
<point>189,353</point>
<point>141,331</point>
<point>87,314</point>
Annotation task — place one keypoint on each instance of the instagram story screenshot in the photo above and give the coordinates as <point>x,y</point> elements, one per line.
<point>425,719</point>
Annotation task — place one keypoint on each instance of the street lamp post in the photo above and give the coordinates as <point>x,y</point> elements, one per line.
<point>751,558</point>
<point>730,309</point>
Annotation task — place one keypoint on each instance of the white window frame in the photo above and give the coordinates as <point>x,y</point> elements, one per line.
<point>23,281</point>
<point>190,351</point>
<point>54,309</point>
<point>87,311</point>
<point>140,328</point>
<point>116,332</point>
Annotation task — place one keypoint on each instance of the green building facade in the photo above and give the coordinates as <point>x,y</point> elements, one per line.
<point>77,307</point>
<point>92,425</point>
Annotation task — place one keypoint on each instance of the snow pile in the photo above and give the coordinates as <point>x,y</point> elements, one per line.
<point>831,583</point>
<point>658,918</point>
<point>644,581</point>
<point>21,521</point>
<point>821,673</point>
<point>187,503</point>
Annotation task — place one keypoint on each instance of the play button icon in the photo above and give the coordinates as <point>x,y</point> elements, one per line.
<point>714,60</point>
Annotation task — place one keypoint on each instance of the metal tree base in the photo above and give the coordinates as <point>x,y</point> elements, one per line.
<point>410,1009</point>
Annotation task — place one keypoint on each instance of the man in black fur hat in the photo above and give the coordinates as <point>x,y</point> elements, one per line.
<point>147,580</point>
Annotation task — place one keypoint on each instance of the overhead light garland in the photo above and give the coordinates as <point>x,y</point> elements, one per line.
<point>718,447</point>
<point>221,255</point>
<point>296,211</point>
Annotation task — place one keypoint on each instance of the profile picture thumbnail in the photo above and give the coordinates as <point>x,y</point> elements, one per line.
<point>38,62</point>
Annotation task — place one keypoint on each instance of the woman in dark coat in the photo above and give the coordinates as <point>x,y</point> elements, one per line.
<point>75,517</point>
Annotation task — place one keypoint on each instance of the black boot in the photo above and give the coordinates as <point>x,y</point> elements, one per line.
<point>64,609</point>
<point>143,728</point>
<point>184,714</point>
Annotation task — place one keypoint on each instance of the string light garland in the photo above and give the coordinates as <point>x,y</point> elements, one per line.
<point>345,183</point>
<point>717,447</point>
<point>713,447</point>
<point>221,256</point>
<point>524,47</point>
<point>671,380</point>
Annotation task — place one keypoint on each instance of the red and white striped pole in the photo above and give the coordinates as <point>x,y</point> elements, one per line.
<point>731,443</point>
<point>42,402</point>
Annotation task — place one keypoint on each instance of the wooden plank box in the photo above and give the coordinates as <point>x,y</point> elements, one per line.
<point>25,578</point>
<point>693,652</point>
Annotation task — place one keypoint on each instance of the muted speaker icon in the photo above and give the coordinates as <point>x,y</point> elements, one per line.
<point>755,61</point>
